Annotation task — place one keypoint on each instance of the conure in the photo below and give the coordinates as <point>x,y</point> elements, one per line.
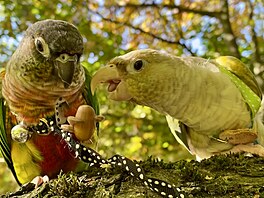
<point>44,68</point>
<point>211,105</point>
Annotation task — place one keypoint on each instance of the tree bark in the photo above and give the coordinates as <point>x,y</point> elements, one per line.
<point>225,176</point>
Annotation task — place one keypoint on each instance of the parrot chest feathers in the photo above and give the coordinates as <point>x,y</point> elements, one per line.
<point>56,155</point>
<point>30,102</point>
<point>45,140</point>
<point>22,132</point>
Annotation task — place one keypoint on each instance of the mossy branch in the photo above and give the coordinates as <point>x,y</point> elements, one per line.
<point>233,175</point>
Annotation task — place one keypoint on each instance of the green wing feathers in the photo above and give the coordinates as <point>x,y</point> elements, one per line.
<point>238,68</point>
<point>5,145</point>
<point>5,142</point>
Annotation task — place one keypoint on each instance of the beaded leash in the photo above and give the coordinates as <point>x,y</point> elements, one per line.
<point>90,156</point>
<point>54,124</point>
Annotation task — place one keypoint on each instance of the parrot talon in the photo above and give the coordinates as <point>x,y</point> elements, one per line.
<point>248,149</point>
<point>66,127</point>
<point>39,180</point>
<point>239,136</point>
<point>99,118</point>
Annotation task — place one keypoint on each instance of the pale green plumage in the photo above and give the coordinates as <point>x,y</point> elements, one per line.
<point>192,90</point>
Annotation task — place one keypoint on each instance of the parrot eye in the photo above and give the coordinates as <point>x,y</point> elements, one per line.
<point>42,47</point>
<point>138,65</point>
<point>39,46</point>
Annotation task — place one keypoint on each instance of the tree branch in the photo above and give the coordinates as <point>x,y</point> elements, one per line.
<point>223,16</point>
<point>216,14</point>
<point>144,32</point>
<point>229,34</point>
<point>254,35</point>
<point>221,176</point>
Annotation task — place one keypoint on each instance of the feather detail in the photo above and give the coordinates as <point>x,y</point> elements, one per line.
<point>31,85</point>
<point>31,101</point>
<point>192,90</point>
<point>56,155</point>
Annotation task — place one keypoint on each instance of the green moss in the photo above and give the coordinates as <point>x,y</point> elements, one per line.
<point>69,185</point>
<point>221,176</point>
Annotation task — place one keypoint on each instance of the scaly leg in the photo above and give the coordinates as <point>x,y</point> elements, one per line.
<point>239,136</point>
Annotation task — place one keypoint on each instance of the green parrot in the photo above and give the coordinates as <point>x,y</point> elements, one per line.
<point>44,68</point>
<point>211,105</point>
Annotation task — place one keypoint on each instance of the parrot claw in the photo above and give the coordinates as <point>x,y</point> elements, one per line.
<point>99,118</point>
<point>31,186</point>
<point>66,127</point>
<point>239,136</point>
<point>39,180</point>
<point>248,149</point>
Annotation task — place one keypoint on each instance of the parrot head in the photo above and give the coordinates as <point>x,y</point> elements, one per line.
<point>45,66</point>
<point>49,51</point>
<point>135,76</point>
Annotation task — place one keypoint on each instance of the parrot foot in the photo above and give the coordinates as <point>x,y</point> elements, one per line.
<point>83,123</point>
<point>248,148</point>
<point>39,180</point>
<point>239,136</point>
<point>67,127</point>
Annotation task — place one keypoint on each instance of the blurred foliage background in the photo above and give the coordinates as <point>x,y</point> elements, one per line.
<point>206,28</point>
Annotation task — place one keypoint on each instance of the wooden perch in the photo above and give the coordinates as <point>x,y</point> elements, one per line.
<point>225,176</point>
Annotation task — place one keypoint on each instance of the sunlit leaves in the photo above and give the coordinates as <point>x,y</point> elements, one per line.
<point>207,28</point>
<point>110,28</point>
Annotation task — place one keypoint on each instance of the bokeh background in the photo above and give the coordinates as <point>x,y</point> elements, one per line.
<point>206,28</point>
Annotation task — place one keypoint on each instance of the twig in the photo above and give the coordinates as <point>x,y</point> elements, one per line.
<point>216,14</point>
<point>254,35</point>
<point>230,36</point>
<point>144,32</point>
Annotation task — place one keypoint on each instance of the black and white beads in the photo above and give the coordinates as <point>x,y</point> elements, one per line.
<point>90,156</point>
<point>163,188</point>
<point>59,115</point>
<point>44,127</point>
<point>85,154</point>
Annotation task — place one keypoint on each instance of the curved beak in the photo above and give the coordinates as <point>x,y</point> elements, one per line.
<point>65,69</point>
<point>117,87</point>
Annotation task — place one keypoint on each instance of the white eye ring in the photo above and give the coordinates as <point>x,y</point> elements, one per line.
<point>42,47</point>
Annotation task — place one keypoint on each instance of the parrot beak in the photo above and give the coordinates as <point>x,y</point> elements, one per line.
<point>65,69</point>
<point>117,88</point>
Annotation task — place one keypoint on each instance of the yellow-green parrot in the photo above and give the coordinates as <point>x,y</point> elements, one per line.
<point>44,69</point>
<point>210,105</point>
